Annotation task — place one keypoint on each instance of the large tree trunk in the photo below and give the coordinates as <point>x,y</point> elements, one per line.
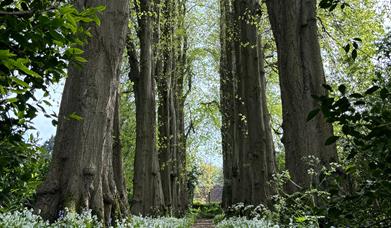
<point>180,97</point>
<point>301,75</point>
<point>82,171</point>
<point>172,145</point>
<point>250,75</point>
<point>118,161</point>
<point>247,143</point>
<point>227,101</point>
<point>166,114</point>
<point>147,189</point>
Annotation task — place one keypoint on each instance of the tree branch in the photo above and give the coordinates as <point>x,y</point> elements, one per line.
<point>24,13</point>
<point>16,13</point>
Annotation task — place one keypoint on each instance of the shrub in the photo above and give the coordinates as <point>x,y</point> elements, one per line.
<point>237,222</point>
<point>27,218</point>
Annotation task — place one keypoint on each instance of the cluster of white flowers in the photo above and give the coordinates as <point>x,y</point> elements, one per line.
<point>245,223</point>
<point>161,222</point>
<point>27,218</point>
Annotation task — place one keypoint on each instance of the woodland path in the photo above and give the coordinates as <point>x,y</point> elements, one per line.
<point>203,223</point>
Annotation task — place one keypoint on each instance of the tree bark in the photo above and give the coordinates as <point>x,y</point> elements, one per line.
<point>147,190</point>
<point>182,198</point>
<point>172,144</point>
<point>165,111</point>
<point>227,101</point>
<point>83,171</point>
<point>247,143</point>
<point>118,161</point>
<point>301,75</point>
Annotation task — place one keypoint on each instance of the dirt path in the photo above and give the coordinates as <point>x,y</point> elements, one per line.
<point>203,223</point>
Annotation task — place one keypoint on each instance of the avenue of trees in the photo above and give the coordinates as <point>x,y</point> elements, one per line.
<point>302,107</point>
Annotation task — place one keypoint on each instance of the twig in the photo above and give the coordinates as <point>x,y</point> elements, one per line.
<point>17,13</point>
<point>24,13</point>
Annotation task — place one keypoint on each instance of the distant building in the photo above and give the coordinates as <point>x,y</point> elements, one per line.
<point>216,193</point>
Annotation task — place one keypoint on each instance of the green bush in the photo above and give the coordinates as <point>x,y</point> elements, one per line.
<point>207,210</point>
<point>22,167</point>
<point>360,192</point>
<point>27,218</point>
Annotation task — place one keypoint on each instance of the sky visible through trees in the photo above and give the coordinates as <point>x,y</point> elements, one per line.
<point>201,104</point>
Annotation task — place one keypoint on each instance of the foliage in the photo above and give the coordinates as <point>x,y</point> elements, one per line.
<point>27,218</point>
<point>300,208</point>
<point>22,167</point>
<point>349,40</point>
<point>209,210</point>
<point>332,4</point>
<point>38,39</point>
<point>202,113</point>
<point>247,211</point>
<point>245,223</point>
<point>128,133</point>
<point>161,222</point>
<point>211,177</point>
<point>365,120</point>
<point>355,192</point>
<point>192,180</point>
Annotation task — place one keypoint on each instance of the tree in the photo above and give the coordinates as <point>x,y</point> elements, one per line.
<point>170,73</point>
<point>147,189</point>
<point>210,177</point>
<point>227,101</point>
<point>37,39</point>
<point>247,143</point>
<point>301,77</point>
<point>83,171</point>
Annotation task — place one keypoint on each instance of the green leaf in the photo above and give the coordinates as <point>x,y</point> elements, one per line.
<point>312,114</point>
<point>100,8</point>
<point>351,167</point>
<point>331,140</point>
<point>354,54</point>
<point>324,4</point>
<point>384,93</point>
<point>12,99</point>
<point>333,6</point>
<point>342,89</point>
<point>74,116</point>
<point>347,48</point>
<point>5,54</point>
<point>20,82</point>
<point>2,90</point>
<point>47,103</point>
<point>356,95</point>
<point>20,64</point>
<point>80,59</point>
<point>74,51</point>
<point>301,219</point>
<point>372,89</point>
<point>355,45</point>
